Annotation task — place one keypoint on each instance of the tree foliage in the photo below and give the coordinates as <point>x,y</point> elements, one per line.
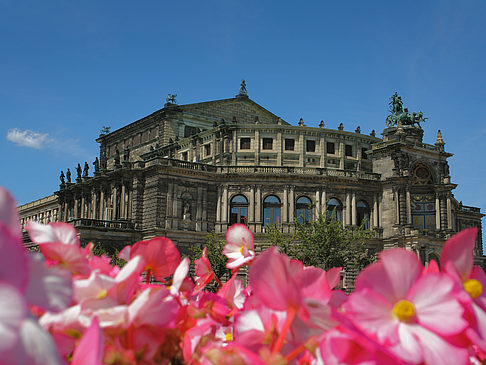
<point>324,243</point>
<point>214,244</point>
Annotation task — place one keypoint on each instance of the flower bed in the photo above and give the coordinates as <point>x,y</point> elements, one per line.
<point>67,305</point>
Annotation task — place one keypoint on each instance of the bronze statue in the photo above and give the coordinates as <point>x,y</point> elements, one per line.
<point>79,171</point>
<point>86,169</point>
<point>68,175</point>
<point>62,177</point>
<point>399,113</point>
<point>126,154</point>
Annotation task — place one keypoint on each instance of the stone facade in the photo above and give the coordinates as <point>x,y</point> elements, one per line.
<point>187,170</point>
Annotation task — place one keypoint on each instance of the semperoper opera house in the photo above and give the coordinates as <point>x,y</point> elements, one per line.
<point>187,170</point>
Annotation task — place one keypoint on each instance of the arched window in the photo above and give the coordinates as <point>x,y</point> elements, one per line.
<point>303,209</point>
<point>239,210</point>
<point>423,211</point>
<point>363,214</point>
<point>335,209</point>
<point>271,210</point>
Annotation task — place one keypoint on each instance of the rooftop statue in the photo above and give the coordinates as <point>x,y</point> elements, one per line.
<point>105,130</point>
<point>243,89</point>
<point>171,99</point>
<point>399,113</point>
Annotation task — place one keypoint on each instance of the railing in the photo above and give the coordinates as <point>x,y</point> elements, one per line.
<point>191,165</point>
<point>96,223</point>
<point>297,171</point>
<point>468,209</point>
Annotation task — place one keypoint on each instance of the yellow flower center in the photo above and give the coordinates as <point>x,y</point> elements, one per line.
<point>229,337</point>
<point>242,248</point>
<point>473,287</point>
<point>102,294</point>
<point>404,310</point>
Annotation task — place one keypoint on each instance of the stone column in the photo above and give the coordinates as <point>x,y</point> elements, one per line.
<point>279,148</point>
<point>322,146</point>
<point>235,148</point>
<point>169,209</point>
<point>353,209</point>
<point>301,149</point>
<point>218,210</point>
<point>258,209</point>
<point>197,149</point>
<point>292,205</point>
<point>175,212</point>
<point>199,208</point>
<point>437,211</point>
<point>225,205</point>
<point>93,205</point>
<point>341,155</point>
<point>375,211</point>
<point>409,207</point>
<point>285,206</point>
<point>318,203</point>
<point>122,202</point>
<point>347,210</point>
<point>449,212</point>
<point>114,196</point>
<point>397,206</point>
<point>214,148</point>
<point>251,206</point>
<point>256,147</point>
<point>83,202</point>
<point>380,210</point>
<point>129,203</point>
<point>324,203</point>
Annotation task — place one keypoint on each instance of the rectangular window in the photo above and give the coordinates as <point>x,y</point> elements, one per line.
<point>207,149</point>
<point>267,144</point>
<point>184,156</point>
<point>289,144</point>
<point>348,150</point>
<point>331,148</point>
<point>364,156</point>
<point>244,143</point>
<point>310,146</point>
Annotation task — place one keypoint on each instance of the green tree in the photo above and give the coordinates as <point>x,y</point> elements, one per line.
<point>215,245</point>
<point>324,243</point>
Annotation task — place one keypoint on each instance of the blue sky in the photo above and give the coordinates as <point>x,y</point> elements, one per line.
<point>68,68</point>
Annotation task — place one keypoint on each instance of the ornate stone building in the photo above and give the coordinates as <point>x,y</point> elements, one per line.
<point>186,170</point>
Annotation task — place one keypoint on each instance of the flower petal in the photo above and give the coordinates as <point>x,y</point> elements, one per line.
<point>239,234</point>
<point>53,232</point>
<point>436,305</point>
<point>90,348</point>
<point>49,288</point>
<point>12,313</point>
<point>459,250</point>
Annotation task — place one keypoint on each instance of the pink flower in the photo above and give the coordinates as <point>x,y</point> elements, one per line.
<point>457,260</point>
<point>160,255</point>
<point>204,273</point>
<point>409,313</point>
<point>91,347</point>
<point>239,246</point>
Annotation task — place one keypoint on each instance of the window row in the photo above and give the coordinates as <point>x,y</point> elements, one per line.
<point>310,146</point>
<point>303,210</point>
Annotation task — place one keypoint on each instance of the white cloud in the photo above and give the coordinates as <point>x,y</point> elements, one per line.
<point>37,140</point>
<point>28,138</point>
